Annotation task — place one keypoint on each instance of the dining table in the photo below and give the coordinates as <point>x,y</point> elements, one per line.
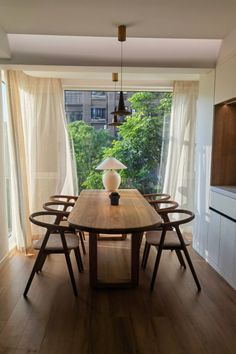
<point>133,215</point>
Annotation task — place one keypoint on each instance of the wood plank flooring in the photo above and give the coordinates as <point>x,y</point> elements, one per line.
<point>174,319</point>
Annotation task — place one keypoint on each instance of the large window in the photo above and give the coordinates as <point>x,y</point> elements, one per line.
<point>141,142</point>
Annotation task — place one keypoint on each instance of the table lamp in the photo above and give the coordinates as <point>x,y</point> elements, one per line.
<point>111,179</point>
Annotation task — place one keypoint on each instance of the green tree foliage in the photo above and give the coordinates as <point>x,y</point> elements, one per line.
<point>139,143</point>
<point>89,146</point>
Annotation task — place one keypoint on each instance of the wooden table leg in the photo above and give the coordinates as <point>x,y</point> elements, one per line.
<point>136,239</point>
<point>112,238</point>
<point>93,257</point>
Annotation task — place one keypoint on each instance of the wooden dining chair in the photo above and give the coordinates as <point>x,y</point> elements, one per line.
<point>57,239</point>
<point>67,199</point>
<point>63,198</point>
<point>156,196</point>
<point>161,206</point>
<point>66,207</point>
<point>170,237</point>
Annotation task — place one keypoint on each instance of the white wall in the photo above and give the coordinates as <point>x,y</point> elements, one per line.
<point>203,161</point>
<point>3,220</point>
<point>228,47</point>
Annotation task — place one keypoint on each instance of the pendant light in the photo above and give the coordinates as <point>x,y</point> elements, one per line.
<point>121,111</point>
<point>115,121</point>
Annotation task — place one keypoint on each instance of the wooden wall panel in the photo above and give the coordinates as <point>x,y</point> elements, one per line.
<point>223,170</point>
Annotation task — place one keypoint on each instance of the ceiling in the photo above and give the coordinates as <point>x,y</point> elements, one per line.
<point>100,78</point>
<point>160,33</point>
<point>209,19</point>
<point>105,51</point>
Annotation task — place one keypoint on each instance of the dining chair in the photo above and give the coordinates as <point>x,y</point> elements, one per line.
<point>65,206</point>
<point>161,206</point>
<point>57,239</point>
<point>66,198</point>
<point>170,237</point>
<point>157,196</point>
<point>63,198</point>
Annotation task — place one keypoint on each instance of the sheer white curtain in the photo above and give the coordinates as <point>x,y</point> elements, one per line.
<point>40,149</point>
<point>3,205</point>
<point>179,175</point>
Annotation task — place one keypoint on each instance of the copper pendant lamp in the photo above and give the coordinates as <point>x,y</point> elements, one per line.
<point>121,111</point>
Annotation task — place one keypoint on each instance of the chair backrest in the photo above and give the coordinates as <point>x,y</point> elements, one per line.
<point>50,225</point>
<point>188,216</point>
<point>63,198</point>
<point>163,206</point>
<point>156,196</point>
<point>58,206</point>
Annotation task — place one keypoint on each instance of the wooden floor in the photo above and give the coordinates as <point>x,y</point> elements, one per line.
<point>174,319</point>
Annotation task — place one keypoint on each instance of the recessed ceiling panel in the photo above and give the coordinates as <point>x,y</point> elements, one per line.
<point>101,51</point>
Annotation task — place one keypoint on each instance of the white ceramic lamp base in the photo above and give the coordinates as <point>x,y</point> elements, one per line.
<point>111,180</point>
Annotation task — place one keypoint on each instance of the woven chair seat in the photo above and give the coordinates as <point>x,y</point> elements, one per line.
<point>171,239</point>
<point>54,242</point>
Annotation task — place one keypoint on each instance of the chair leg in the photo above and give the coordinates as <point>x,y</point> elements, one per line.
<point>145,255</point>
<point>78,260</point>
<point>158,257</point>
<point>81,236</point>
<point>41,263</point>
<point>37,263</point>
<point>188,258</point>
<point>180,258</point>
<point>68,262</point>
<point>70,269</point>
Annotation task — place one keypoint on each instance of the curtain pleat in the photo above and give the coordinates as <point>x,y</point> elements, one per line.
<point>3,205</point>
<point>40,149</point>
<point>179,175</point>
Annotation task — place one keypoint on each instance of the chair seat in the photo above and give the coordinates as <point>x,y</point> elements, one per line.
<point>64,223</point>
<point>171,239</point>
<point>54,242</point>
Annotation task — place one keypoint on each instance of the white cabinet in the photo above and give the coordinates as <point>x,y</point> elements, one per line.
<point>227,248</point>
<point>225,87</point>
<point>214,238</point>
<point>221,245</point>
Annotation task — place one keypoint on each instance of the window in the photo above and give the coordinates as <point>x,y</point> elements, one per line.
<point>74,116</point>
<point>73,105</point>
<point>98,95</point>
<point>98,113</point>
<point>73,97</point>
<point>141,144</point>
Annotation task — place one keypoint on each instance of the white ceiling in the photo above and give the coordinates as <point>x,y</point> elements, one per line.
<point>145,18</point>
<point>160,33</point>
<point>105,51</point>
<point>100,78</point>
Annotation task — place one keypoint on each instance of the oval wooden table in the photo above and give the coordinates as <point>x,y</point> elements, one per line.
<point>134,215</point>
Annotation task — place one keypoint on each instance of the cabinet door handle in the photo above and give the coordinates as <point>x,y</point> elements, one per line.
<point>222,214</point>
